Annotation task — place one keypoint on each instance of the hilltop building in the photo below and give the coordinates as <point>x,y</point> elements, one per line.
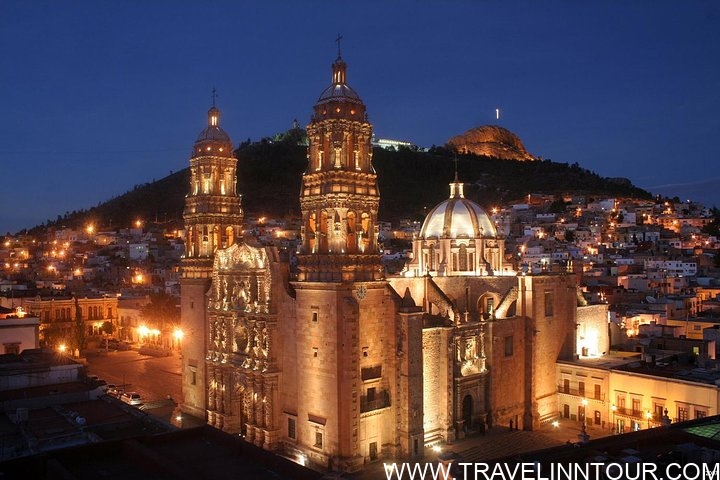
<point>338,364</point>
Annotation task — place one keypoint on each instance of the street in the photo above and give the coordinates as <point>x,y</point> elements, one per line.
<point>154,378</point>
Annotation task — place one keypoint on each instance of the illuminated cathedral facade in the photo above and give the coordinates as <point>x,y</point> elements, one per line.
<point>339,364</point>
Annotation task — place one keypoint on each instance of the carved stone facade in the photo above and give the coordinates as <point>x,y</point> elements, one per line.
<point>242,387</point>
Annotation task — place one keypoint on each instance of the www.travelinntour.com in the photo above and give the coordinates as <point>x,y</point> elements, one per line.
<point>553,471</point>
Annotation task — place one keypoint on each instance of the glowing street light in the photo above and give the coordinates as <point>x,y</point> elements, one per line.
<point>648,415</point>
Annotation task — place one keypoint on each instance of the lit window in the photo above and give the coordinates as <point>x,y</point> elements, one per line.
<point>318,439</point>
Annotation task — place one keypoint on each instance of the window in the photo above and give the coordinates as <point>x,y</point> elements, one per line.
<point>315,352</point>
<point>291,428</point>
<point>566,386</point>
<point>581,389</point>
<point>548,303</point>
<point>315,317</point>
<point>636,405</point>
<point>318,439</point>
<point>193,377</point>
<point>508,346</point>
<point>683,414</point>
<point>700,413</point>
<point>659,410</point>
<point>598,393</point>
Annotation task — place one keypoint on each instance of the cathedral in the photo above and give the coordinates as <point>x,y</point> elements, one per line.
<point>336,362</point>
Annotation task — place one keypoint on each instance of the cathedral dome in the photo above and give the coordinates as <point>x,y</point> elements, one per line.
<point>213,140</point>
<point>339,100</point>
<point>458,217</point>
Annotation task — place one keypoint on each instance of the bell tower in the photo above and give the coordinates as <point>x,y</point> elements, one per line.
<point>213,220</point>
<point>339,197</point>
<point>345,321</point>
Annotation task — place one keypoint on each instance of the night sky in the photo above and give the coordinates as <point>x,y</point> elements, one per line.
<point>96,97</point>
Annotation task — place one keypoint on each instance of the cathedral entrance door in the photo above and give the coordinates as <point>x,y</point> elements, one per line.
<point>467,411</point>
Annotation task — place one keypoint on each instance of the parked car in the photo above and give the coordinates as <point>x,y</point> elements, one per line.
<point>112,390</point>
<point>131,398</point>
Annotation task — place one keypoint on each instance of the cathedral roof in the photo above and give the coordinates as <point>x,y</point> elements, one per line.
<point>458,217</point>
<point>339,90</point>
<point>213,139</point>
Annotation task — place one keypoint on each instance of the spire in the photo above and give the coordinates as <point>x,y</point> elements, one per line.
<point>456,188</point>
<point>337,40</point>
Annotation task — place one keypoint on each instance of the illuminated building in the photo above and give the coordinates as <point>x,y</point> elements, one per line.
<point>58,316</point>
<point>213,218</point>
<point>340,365</point>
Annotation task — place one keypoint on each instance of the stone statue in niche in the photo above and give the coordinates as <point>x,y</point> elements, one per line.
<point>218,293</point>
<point>256,342</point>
<point>265,342</point>
<point>241,339</point>
<point>468,351</point>
<point>225,294</point>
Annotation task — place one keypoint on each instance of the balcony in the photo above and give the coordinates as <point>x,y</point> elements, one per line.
<point>581,393</point>
<point>368,403</point>
<point>629,412</point>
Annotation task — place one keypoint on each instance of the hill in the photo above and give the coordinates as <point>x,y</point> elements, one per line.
<point>410,182</point>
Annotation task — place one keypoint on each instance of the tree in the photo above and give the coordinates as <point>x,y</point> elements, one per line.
<point>162,310</point>
<point>108,328</point>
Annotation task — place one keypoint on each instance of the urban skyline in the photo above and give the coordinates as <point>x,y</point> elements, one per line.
<point>115,98</point>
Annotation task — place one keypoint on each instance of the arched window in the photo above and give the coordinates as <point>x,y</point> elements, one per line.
<point>323,232</point>
<point>352,243</point>
<point>311,233</point>
<point>366,225</point>
<point>463,258</point>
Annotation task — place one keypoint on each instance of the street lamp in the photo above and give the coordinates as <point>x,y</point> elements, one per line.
<point>648,415</point>
<point>178,334</point>
<point>614,409</point>
<point>584,410</point>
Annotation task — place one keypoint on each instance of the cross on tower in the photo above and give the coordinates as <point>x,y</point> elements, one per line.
<point>214,95</point>
<point>456,170</point>
<point>337,40</point>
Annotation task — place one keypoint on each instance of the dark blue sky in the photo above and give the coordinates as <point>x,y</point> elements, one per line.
<point>96,97</point>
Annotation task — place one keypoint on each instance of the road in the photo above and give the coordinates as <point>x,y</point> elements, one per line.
<point>154,378</point>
